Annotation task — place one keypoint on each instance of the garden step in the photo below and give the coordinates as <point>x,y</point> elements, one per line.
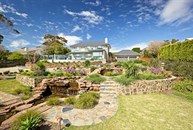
<point>110,89</point>
<point>9,102</point>
<point>16,104</point>
<point>44,108</point>
<point>23,107</point>
<point>108,92</point>
<point>35,97</point>
<point>107,85</point>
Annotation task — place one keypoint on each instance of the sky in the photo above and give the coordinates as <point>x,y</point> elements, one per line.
<point>126,23</point>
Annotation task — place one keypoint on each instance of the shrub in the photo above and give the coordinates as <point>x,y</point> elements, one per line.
<point>95,78</point>
<point>184,86</point>
<point>150,76</point>
<point>131,69</point>
<point>25,90</point>
<point>87,63</point>
<point>124,80</point>
<point>53,101</point>
<point>109,73</point>
<point>59,73</point>
<point>29,120</point>
<point>92,68</point>
<point>156,70</point>
<point>70,100</point>
<point>6,72</point>
<point>87,100</point>
<point>156,63</point>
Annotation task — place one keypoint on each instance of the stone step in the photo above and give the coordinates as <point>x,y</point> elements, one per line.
<point>9,102</point>
<point>108,85</point>
<point>107,92</point>
<point>110,89</point>
<point>44,108</point>
<point>23,107</point>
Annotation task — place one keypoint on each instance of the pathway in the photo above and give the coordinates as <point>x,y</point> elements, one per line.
<point>13,69</point>
<point>105,109</point>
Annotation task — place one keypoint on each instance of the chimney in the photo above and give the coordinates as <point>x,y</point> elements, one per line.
<point>25,49</point>
<point>106,40</point>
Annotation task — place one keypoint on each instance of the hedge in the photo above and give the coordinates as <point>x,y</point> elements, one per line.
<point>182,51</point>
<point>178,58</point>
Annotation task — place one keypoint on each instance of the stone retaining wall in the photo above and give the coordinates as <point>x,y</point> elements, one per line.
<point>28,81</point>
<point>146,86</point>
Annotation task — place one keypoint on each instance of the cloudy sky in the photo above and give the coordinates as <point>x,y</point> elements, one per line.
<point>127,23</point>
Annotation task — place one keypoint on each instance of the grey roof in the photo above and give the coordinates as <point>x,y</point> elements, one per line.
<point>85,44</point>
<point>127,52</point>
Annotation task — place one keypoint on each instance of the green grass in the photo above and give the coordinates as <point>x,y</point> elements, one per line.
<point>12,86</point>
<point>53,101</point>
<point>95,78</point>
<point>148,112</point>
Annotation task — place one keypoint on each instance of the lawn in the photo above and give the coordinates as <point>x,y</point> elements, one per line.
<point>148,112</point>
<point>12,86</point>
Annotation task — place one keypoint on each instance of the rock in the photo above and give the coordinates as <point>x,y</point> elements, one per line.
<point>66,122</point>
<point>23,107</point>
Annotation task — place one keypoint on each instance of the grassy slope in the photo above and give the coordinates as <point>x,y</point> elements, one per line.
<point>148,112</point>
<point>10,85</point>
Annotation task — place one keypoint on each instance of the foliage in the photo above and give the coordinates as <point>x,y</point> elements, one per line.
<point>87,63</point>
<point>156,70</point>
<point>70,100</point>
<point>16,56</point>
<point>154,62</point>
<point>180,68</point>
<point>29,120</point>
<point>131,69</point>
<point>92,68</point>
<point>73,71</point>
<point>3,53</point>
<point>51,40</point>
<point>7,26</point>
<point>149,76</point>
<point>184,86</point>
<point>28,73</point>
<point>111,73</point>
<point>40,69</point>
<point>87,100</point>
<point>95,78</point>
<point>153,48</point>
<point>53,101</point>
<point>56,49</point>
<point>144,63</point>
<point>33,58</point>
<point>181,51</point>
<point>124,80</point>
<point>136,49</point>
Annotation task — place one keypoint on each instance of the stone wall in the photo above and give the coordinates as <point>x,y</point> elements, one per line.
<point>28,81</point>
<point>146,86</point>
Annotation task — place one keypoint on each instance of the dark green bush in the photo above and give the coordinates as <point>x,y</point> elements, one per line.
<point>131,69</point>
<point>95,78</point>
<point>29,120</point>
<point>92,68</point>
<point>109,73</point>
<point>87,63</point>
<point>184,86</point>
<point>87,100</point>
<point>53,101</point>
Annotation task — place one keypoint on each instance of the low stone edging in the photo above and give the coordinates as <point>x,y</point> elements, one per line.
<point>28,81</point>
<point>146,86</point>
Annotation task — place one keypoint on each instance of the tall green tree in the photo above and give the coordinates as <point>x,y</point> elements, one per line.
<point>51,40</point>
<point>136,49</point>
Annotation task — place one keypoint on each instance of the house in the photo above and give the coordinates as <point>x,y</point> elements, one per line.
<point>25,50</point>
<point>125,55</point>
<point>90,50</point>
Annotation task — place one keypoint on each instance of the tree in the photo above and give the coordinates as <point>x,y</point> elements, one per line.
<point>154,46</point>
<point>3,53</point>
<point>174,41</point>
<point>7,26</point>
<point>16,56</point>
<point>51,40</point>
<point>33,58</point>
<point>136,49</point>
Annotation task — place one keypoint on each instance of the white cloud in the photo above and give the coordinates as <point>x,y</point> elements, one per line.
<point>176,11</point>
<point>19,43</point>
<point>10,9</point>
<point>88,36</point>
<point>156,2</point>
<point>76,28</point>
<point>89,16</point>
<point>70,38</point>
<point>97,3</point>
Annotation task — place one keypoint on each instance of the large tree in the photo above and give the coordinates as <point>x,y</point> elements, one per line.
<point>54,45</point>
<point>154,46</point>
<point>51,40</point>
